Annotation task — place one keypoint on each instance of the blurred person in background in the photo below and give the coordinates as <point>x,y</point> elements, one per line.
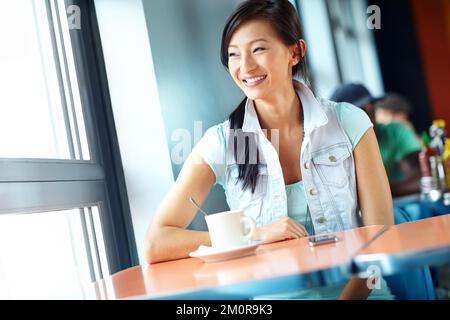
<point>394,107</point>
<point>398,144</point>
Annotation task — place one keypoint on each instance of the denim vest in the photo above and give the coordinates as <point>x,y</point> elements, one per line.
<point>327,167</point>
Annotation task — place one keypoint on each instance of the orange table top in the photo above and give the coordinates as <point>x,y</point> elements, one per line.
<point>271,261</point>
<point>414,244</point>
<point>281,265</point>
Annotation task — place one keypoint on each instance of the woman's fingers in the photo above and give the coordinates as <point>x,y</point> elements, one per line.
<point>300,229</point>
<point>297,231</point>
<point>289,233</point>
<point>283,229</point>
<point>304,229</point>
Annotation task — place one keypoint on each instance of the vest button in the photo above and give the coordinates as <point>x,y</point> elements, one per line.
<point>307,165</point>
<point>332,158</point>
<point>313,191</point>
<point>321,220</point>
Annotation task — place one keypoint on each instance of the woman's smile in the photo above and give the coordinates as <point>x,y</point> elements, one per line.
<point>251,82</point>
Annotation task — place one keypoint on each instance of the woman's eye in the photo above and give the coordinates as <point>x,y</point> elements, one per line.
<point>231,54</point>
<point>259,49</point>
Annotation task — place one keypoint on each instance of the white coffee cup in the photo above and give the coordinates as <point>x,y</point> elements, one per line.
<point>227,229</point>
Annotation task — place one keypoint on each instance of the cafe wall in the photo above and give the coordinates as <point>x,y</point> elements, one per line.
<point>136,109</point>
<point>413,47</point>
<point>433,30</point>
<point>400,60</point>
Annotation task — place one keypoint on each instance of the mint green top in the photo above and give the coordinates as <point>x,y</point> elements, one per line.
<point>396,141</point>
<point>296,205</point>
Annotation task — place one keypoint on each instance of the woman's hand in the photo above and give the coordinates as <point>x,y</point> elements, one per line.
<point>282,229</point>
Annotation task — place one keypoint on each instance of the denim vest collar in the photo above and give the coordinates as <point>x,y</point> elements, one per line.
<point>313,114</point>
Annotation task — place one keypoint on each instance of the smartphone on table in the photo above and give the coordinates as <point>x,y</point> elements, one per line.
<point>322,239</point>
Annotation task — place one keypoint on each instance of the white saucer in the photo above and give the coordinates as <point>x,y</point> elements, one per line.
<point>210,254</point>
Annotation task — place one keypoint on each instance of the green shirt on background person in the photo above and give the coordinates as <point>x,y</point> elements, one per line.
<point>395,141</point>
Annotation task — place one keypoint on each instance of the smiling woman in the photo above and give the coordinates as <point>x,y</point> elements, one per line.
<point>307,184</point>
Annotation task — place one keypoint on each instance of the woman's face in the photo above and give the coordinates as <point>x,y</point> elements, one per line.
<point>259,62</point>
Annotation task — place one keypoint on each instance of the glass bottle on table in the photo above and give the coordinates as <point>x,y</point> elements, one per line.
<point>428,160</point>
<point>446,162</point>
<point>438,134</point>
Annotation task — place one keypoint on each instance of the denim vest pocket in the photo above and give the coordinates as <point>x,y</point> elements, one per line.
<point>333,165</point>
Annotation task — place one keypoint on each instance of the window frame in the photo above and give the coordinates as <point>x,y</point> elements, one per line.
<point>29,185</point>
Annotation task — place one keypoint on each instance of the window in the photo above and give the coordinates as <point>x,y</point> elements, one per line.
<point>341,48</point>
<point>41,114</point>
<point>354,44</point>
<point>64,217</point>
<point>54,255</point>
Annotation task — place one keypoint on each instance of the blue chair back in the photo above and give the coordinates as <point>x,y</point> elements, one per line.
<point>413,284</point>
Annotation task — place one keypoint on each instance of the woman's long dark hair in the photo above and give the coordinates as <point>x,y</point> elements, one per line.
<point>285,21</point>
